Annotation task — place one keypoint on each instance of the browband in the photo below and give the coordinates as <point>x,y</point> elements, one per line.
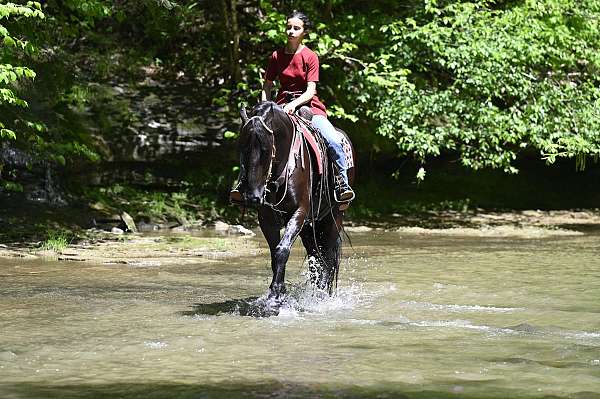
<point>261,121</point>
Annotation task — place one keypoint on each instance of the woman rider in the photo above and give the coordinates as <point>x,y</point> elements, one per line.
<point>297,68</point>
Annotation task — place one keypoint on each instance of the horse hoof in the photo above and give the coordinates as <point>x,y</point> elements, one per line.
<point>277,293</point>
<point>272,305</point>
<point>274,296</point>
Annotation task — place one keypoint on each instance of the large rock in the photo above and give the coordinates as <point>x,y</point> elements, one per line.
<point>221,226</point>
<point>237,229</point>
<point>129,223</point>
<point>143,226</point>
<point>241,230</point>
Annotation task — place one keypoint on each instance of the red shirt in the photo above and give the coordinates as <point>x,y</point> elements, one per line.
<point>294,72</point>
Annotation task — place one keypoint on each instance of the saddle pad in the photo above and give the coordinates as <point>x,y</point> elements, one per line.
<point>348,152</point>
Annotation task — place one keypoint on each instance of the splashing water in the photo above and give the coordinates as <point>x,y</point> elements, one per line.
<point>304,299</point>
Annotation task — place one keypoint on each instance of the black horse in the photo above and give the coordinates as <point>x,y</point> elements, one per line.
<point>280,176</point>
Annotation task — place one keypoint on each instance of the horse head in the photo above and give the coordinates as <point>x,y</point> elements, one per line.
<point>257,149</point>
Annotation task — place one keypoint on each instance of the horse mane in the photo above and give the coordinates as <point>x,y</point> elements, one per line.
<point>263,108</point>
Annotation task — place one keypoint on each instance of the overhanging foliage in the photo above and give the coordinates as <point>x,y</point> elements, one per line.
<point>482,80</point>
<point>488,81</point>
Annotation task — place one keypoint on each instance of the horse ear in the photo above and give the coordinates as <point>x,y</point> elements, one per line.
<point>272,111</point>
<point>244,115</point>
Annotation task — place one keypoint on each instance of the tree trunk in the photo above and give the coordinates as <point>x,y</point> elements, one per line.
<point>235,46</point>
<point>232,35</point>
<point>226,26</point>
<point>329,10</point>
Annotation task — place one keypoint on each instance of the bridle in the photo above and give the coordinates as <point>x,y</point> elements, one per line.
<point>273,152</point>
<point>282,179</point>
<point>260,118</point>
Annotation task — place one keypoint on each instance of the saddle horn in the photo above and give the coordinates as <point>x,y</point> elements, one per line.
<point>244,115</point>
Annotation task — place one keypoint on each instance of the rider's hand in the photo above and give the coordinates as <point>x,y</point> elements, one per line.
<point>289,108</point>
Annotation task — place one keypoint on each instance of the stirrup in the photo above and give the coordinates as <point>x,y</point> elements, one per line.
<point>344,196</point>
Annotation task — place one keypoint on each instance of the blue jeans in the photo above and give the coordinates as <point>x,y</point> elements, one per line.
<point>334,142</point>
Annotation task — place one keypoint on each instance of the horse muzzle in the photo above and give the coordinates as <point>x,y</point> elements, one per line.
<point>253,199</point>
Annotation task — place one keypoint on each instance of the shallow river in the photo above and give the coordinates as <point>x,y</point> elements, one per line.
<point>414,316</point>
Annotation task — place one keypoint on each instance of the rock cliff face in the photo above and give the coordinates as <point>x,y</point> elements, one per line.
<point>158,133</point>
<point>158,120</point>
<point>149,132</point>
<point>36,178</point>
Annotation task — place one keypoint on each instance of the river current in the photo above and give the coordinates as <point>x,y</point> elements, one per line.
<point>414,316</point>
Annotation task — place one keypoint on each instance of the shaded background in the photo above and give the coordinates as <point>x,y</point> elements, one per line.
<point>134,106</point>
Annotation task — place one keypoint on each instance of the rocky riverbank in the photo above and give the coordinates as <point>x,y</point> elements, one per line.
<point>138,250</point>
<point>221,240</point>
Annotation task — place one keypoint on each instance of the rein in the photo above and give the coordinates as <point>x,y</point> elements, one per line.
<point>295,119</point>
<point>273,154</point>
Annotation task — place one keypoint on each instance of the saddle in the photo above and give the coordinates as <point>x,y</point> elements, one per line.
<point>309,135</point>
<point>315,139</point>
<point>308,138</point>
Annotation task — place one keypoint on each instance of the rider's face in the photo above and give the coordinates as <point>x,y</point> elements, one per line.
<point>295,29</point>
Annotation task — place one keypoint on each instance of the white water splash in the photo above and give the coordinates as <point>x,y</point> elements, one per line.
<point>582,335</point>
<point>466,324</point>
<point>304,300</point>
<point>155,344</point>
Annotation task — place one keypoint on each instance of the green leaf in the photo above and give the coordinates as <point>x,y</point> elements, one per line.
<point>11,186</point>
<point>7,133</point>
<point>230,135</point>
<point>9,41</point>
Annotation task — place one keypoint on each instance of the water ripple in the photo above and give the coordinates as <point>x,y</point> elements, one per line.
<point>459,308</point>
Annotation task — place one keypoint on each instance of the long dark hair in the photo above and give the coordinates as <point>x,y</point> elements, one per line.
<point>302,17</point>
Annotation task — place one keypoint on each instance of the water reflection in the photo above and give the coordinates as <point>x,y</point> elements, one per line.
<point>262,389</point>
<point>251,306</point>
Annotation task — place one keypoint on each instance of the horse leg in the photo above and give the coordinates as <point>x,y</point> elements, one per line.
<point>330,243</point>
<point>282,251</point>
<point>312,250</point>
<point>269,225</point>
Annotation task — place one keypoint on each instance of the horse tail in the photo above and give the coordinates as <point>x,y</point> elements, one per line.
<point>323,188</point>
<point>347,236</point>
<point>321,202</point>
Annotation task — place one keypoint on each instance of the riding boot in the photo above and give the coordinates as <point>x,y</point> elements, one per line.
<point>235,195</point>
<point>343,192</point>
